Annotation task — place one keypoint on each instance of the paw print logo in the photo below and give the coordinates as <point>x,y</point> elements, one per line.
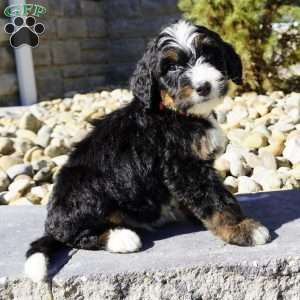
<point>24,31</point>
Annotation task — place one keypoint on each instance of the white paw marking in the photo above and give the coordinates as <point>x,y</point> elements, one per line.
<point>35,267</point>
<point>260,235</point>
<point>123,241</point>
<point>216,139</point>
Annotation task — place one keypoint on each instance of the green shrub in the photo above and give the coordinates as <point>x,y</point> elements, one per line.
<point>249,26</point>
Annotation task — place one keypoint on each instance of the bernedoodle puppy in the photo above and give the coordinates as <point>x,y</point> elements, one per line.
<point>151,162</point>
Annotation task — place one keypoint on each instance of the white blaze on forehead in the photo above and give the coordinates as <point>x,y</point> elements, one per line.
<point>181,33</point>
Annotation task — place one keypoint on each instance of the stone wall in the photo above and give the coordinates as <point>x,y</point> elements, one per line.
<point>88,44</point>
<point>131,24</point>
<point>73,53</point>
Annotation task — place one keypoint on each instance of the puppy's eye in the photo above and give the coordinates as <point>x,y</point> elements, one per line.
<point>173,68</point>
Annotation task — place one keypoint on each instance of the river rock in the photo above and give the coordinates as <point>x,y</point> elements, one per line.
<point>19,169</point>
<point>268,160</point>
<point>247,185</point>
<point>255,140</point>
<point>8,161</point>
<point>4,181</point>
<point>43,136</point>
<point>292,150</point>
<point>6,146</point>
<point>20,185</point>
<point>30,122</point>
<point>268,179</point>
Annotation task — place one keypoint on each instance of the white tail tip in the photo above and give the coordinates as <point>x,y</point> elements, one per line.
<point>35,267</point>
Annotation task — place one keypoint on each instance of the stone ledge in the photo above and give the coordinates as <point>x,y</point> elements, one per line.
<point>177,262</point>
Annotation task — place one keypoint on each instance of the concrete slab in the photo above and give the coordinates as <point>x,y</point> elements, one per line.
<point>181,261</point>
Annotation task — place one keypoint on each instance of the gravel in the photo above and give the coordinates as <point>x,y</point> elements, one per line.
<point>262,153</point>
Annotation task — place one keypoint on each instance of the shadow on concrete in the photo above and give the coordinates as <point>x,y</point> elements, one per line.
<point>273,209</point>
<point>59,259</point>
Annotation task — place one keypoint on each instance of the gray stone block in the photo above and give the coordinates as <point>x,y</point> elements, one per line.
<point>77,84</point>
<point>49,83</point>
<point>76,71</point>
<point>94,56</point>
<point>97,82</point>
<point>4,37</point>
<point>96,43</point>
<point>122,28</point>
<point>3,5</point>
<point>71,28</point>
<point>42,55</point>
<point>92,8</point>
<point>8,84</point>
<point>121,72</point>
<point>127,50</point>
<point>7,59</point>
<point>116,9</point>
<point>156,8</point>
<point>98,69</point>
<point>71,8</point>
<point>96,27</point>
<point>67,52</point>
<point>182,261</point>
<point>11,100</point>
<point>50,32</point>
<point>54,7</point>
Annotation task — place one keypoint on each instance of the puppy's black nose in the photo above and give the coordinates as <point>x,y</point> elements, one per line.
<point>204,88</point>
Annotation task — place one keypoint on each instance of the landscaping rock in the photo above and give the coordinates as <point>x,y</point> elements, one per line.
<point>30,122</point>
<point>263,133</point>
<point>19,169</point>
<point>4,181</point>
<point>292,150</point>
<point>6,146</point>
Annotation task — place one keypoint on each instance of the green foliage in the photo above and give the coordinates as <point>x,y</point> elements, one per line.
<point>249,26</point>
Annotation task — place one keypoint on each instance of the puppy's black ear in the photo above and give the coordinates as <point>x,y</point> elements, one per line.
<point>143,82</point>
<point>233,63</point>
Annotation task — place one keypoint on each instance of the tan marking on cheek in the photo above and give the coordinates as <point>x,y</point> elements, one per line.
<point>167,100</point>
<point>186,92</point>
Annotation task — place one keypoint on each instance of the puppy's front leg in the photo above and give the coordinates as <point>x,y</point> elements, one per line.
<point>212,143</point>
<point>199,190</point>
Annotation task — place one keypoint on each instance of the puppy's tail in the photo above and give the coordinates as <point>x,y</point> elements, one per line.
<point>37,257</point>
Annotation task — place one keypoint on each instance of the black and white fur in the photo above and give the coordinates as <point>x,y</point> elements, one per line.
<point>151,162</point>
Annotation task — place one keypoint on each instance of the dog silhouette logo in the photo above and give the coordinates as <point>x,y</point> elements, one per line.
<point>24,29</point>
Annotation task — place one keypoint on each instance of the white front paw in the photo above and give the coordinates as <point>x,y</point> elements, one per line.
<point>216,140</point>
<point>123,241</point>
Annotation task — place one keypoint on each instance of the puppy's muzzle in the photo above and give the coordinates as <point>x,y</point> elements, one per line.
<point>204,89</point>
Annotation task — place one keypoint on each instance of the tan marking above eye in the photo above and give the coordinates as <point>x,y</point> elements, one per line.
<point>171,54</point>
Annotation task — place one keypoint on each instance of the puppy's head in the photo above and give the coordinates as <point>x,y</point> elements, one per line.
<point>186,67</point>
